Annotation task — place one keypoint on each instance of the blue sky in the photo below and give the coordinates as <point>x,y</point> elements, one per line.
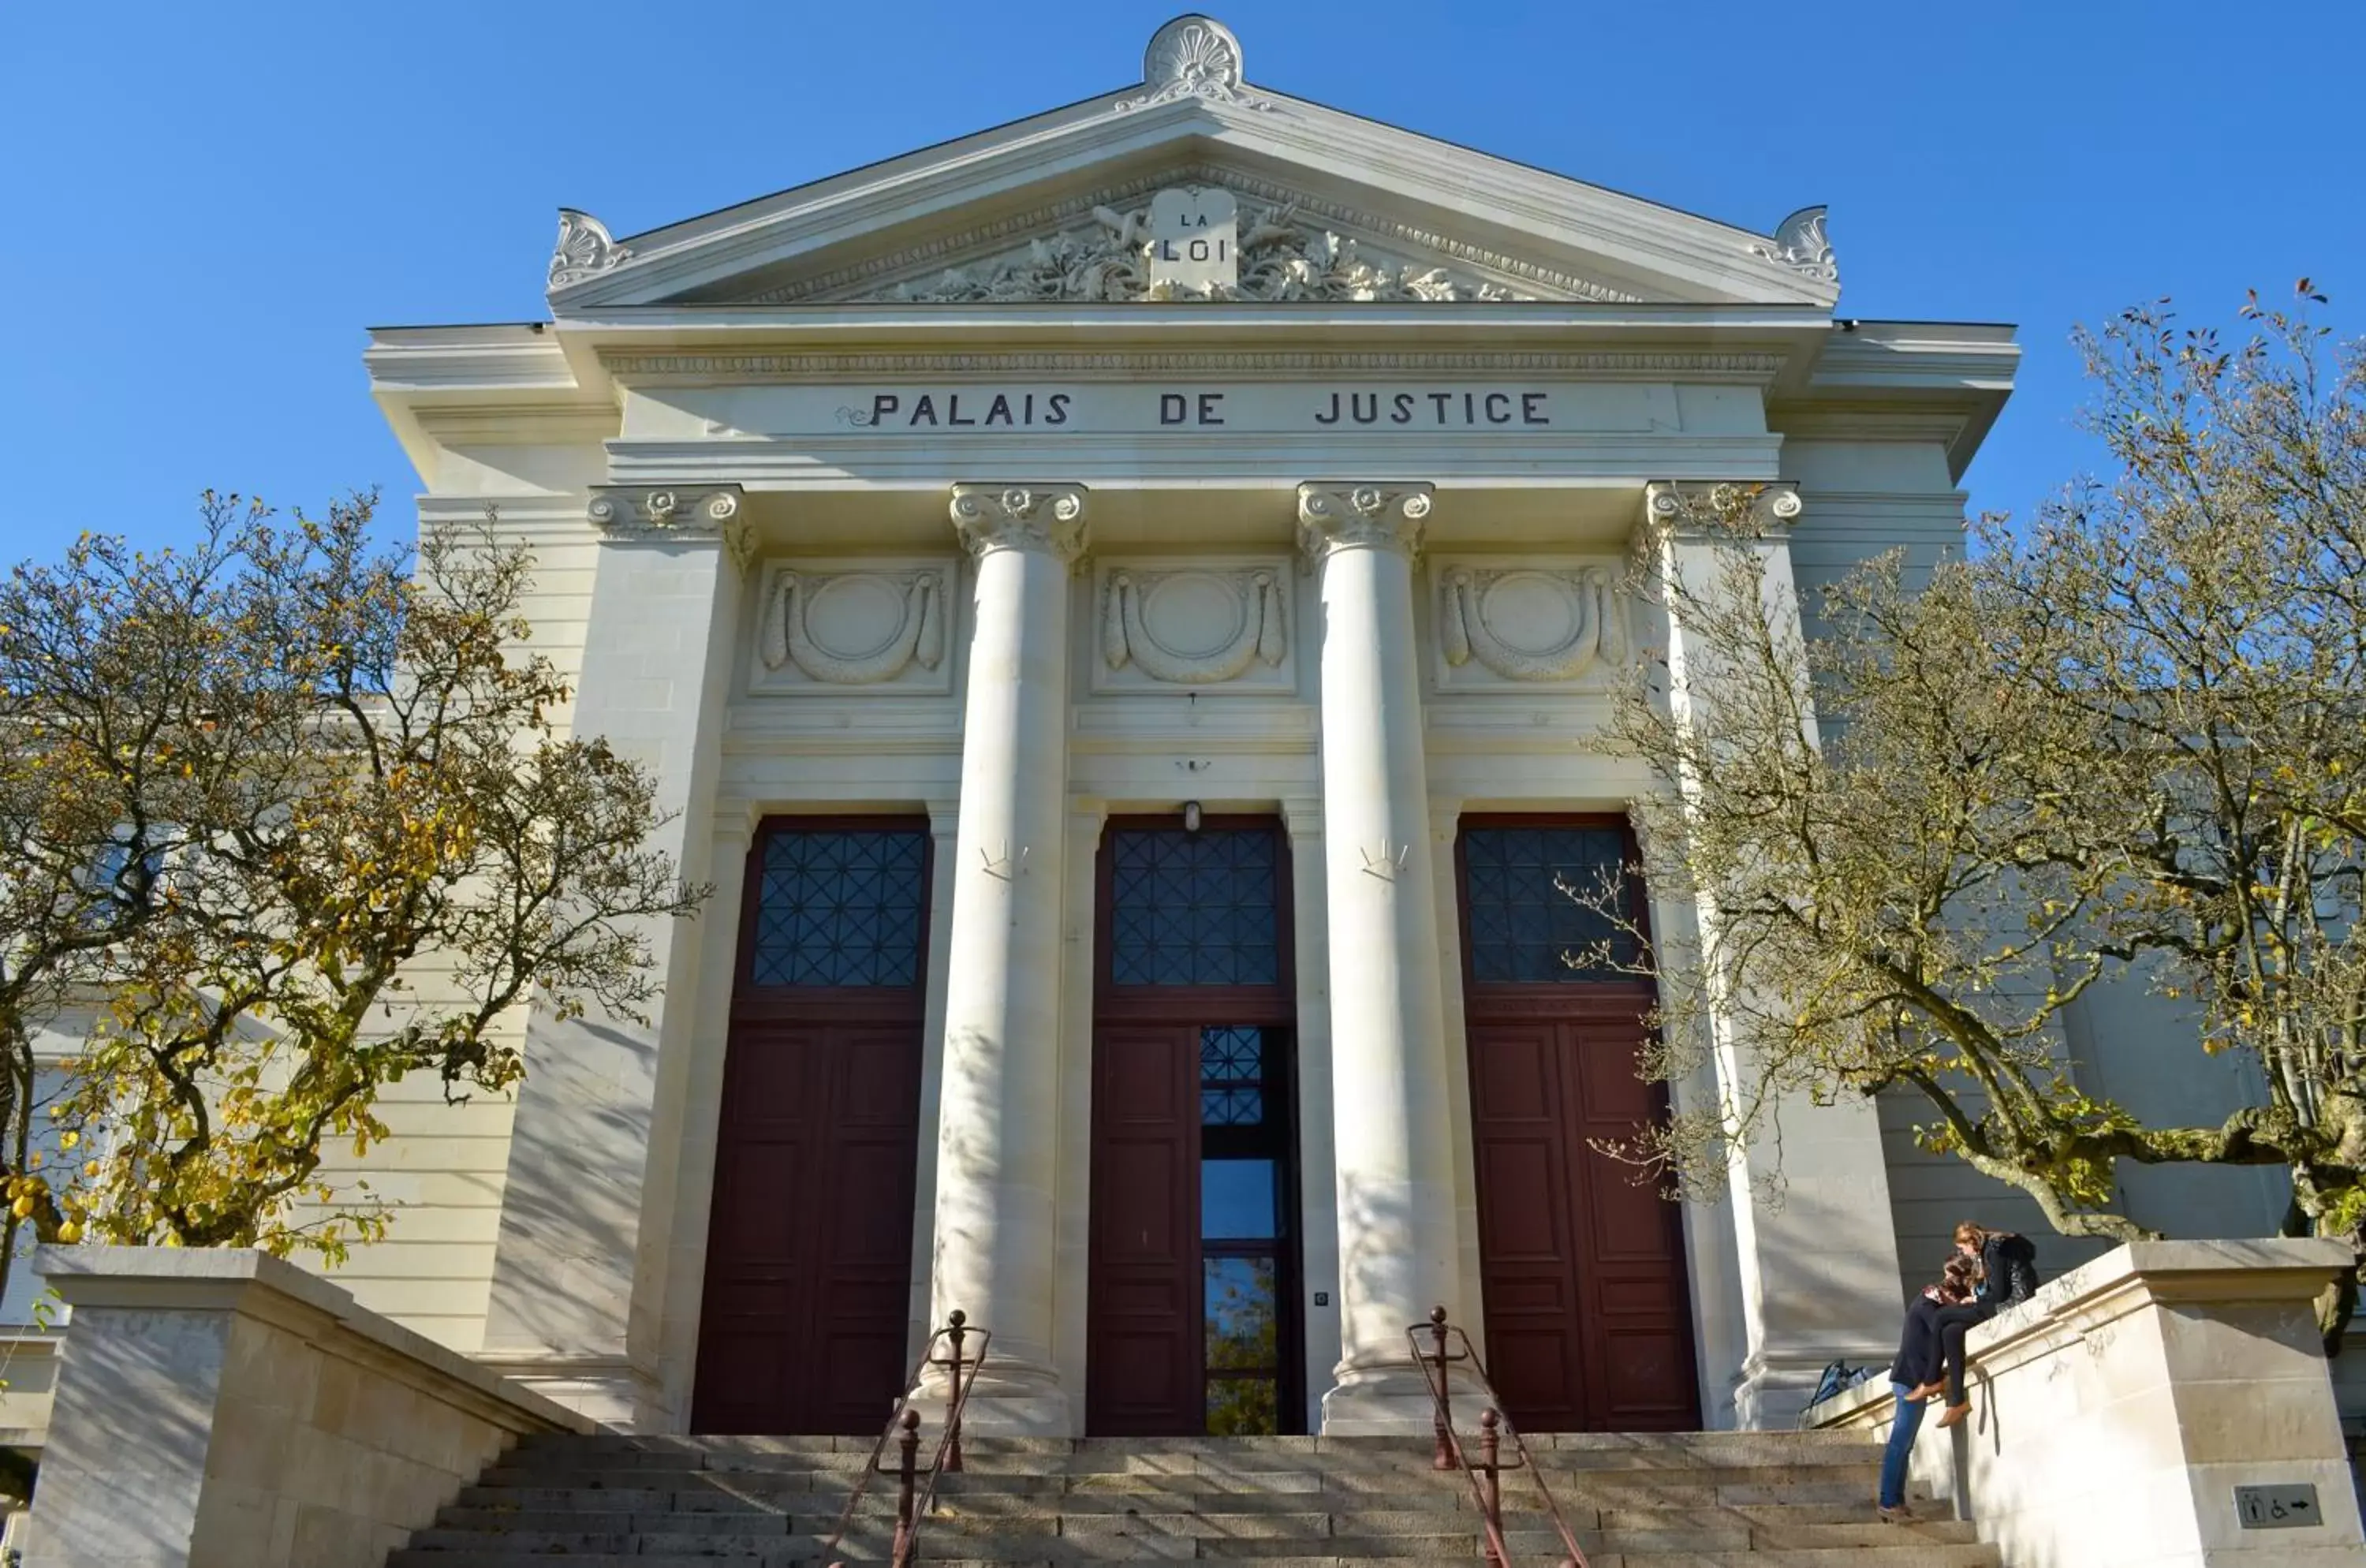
<point>210,204</point>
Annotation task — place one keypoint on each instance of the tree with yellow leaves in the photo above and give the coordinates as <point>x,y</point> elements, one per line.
<point>287,820</point>
<point>2123,745</point>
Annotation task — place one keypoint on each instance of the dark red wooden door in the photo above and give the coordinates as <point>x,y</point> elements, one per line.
<point>1588,1313</point>
<point>1143,1337</point>
<point>809,1238</point>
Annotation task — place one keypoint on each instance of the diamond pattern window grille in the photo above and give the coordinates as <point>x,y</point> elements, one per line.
<point>1524,929</point>
<point>841,907</point>
<point>1193,908</point>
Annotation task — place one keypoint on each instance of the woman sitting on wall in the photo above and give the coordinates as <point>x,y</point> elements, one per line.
<point>2006,1267</point>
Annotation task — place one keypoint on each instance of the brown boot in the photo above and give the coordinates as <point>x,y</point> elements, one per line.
<point>1955,1414</point>
<point>1901,1514</point>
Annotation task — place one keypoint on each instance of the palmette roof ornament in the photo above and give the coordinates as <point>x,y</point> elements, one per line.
<point>1801,244</point>
<point>1195,57</point>
<point>584,249</point>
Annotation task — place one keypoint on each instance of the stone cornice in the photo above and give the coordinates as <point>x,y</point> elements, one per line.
<point>1334,515</point>
<point>1698,509</point>
<point>660,369</point>
<point>1048,517</point>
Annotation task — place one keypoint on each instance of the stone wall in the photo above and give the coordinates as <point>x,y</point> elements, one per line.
<point>2117,1412</point>
<point>225,1409</point>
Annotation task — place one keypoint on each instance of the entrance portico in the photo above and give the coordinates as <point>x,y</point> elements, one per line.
<point>942,557</point>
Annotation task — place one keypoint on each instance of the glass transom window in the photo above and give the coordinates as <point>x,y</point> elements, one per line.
<point>1524,927</point>
<point>1193,908</point>
<point>841,906</point>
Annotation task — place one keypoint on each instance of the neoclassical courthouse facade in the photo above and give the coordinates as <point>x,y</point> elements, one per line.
<point>1113,602</point>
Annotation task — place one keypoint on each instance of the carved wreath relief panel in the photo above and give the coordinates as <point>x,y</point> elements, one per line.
<point>1508,627</point>
<point>855,629</point>
<point>1215,627</point>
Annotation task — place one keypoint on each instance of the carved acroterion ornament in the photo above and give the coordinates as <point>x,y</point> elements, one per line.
<point>584,249</point>
<point>1194,57</point>
<point>1801,244</point>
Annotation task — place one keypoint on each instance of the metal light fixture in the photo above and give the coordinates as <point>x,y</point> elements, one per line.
<point>1191,816</point>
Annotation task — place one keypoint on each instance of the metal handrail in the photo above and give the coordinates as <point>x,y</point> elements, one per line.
<point>1492,1427</point>
<point>904,1426</point>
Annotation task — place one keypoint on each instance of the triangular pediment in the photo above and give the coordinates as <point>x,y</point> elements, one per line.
<point>1333,207</point>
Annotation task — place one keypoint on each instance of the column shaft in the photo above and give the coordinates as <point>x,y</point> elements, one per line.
<point>1397,1241</point>
<point>996,1146</point>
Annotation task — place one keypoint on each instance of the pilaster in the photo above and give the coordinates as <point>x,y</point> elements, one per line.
<point>1803,1302</point>
<point>576,1307</point>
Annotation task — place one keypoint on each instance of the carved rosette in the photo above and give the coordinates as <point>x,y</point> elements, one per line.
<point>1049,517</point>
<point>673,512</point>
<point>1801,244</point>
<point>1377,514</point>
<point>584,249</point>
<point>1194,626</point>
<point>1531,623</point>
<point>855,629</point>
<point>1725,507</point>
<point>1194,57</point>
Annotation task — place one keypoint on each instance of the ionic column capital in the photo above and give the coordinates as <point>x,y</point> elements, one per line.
<point>646,513</point>
<point>1047,517</point>
<point>1695,508</point>
<point>1335,515</point>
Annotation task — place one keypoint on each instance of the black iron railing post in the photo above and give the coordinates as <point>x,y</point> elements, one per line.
<point>1490,1479</point>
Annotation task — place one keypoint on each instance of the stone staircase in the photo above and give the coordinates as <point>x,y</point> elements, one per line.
<point>1683,1500</point>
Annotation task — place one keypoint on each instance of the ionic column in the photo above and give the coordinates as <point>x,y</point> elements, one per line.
<point>997,1149</point>
<point>1397,1243</point>
<point>1804,1302</point>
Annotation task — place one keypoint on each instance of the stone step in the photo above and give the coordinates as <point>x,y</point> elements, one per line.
<point>1912,1553</point>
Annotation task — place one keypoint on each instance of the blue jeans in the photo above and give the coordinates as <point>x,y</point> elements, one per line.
<point>1901,1446</point>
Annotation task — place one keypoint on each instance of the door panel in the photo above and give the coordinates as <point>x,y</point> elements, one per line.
<point>1143,1311</point>
<point>809,1251</point>
<point>1588,1323</point>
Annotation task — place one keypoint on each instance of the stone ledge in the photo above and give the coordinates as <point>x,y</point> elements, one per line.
<point>277,1291</point>
<point>2125,1279</point>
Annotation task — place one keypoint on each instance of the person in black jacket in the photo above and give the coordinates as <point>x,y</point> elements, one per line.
<point>1916,1367</point>
<point>2007,1270</point>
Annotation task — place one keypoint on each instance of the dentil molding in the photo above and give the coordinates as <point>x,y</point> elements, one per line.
<point>1723,506</point>
<point>1530,623</point>
<point>1049,517</point>
<point>1384,515</point>
<point>584,249</point>
<point>1202,623</point>
<point>1195,57</point>
<point>855,626</point>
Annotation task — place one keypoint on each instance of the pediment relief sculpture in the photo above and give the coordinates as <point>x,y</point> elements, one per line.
<point>1284,257</point>
<point>855,629</point>
<point>1528,625</point>
<point>1193,628</point>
